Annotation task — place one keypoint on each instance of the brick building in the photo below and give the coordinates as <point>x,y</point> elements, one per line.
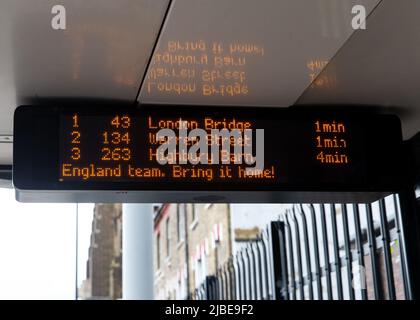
<point>189,246</point>
<point>104,265</point>
<point>209,236</point>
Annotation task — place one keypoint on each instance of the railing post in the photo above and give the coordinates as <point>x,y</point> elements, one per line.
<point>327,265</point>
<point>279,260</point>
<point>307,253</point>
<point>410,223</point>
<point>337,259</point>
<point>316,252</point>
<point>387,251</point>
<point>299,255</point>
<point>209,287</point>
<point>360,249</point>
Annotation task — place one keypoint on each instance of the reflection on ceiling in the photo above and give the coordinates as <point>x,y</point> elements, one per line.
<point>246,52</point>
<point>102,53</point>
<point>379,66</point>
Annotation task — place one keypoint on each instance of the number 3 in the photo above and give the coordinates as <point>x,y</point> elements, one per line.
<point>75,153</point>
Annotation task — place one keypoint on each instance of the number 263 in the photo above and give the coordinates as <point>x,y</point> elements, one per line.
<point>116,154</point>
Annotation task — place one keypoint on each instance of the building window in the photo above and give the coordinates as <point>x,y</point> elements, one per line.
<point>193,212</point>
<point>194,217</point>
<point>180,222</point>
<point>158,251</point>
<point>168,238</point>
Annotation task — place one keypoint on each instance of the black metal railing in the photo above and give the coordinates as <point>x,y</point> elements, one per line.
<point>319,251</point>
<point>247,275</point>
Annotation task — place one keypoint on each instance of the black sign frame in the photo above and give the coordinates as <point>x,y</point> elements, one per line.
<point>36,156</point>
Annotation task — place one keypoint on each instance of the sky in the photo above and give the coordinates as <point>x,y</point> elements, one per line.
<point>38,248</point>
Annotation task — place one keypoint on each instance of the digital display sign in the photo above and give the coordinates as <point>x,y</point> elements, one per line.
<point>124,147</point>
<point>219,154</point>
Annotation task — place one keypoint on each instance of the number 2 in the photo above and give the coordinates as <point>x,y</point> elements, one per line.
<point>76,137</point>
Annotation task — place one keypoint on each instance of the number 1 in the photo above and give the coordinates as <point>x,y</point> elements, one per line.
<point>75,121</point>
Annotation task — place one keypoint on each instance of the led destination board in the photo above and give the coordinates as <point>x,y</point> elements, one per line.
<point>215,154</point>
